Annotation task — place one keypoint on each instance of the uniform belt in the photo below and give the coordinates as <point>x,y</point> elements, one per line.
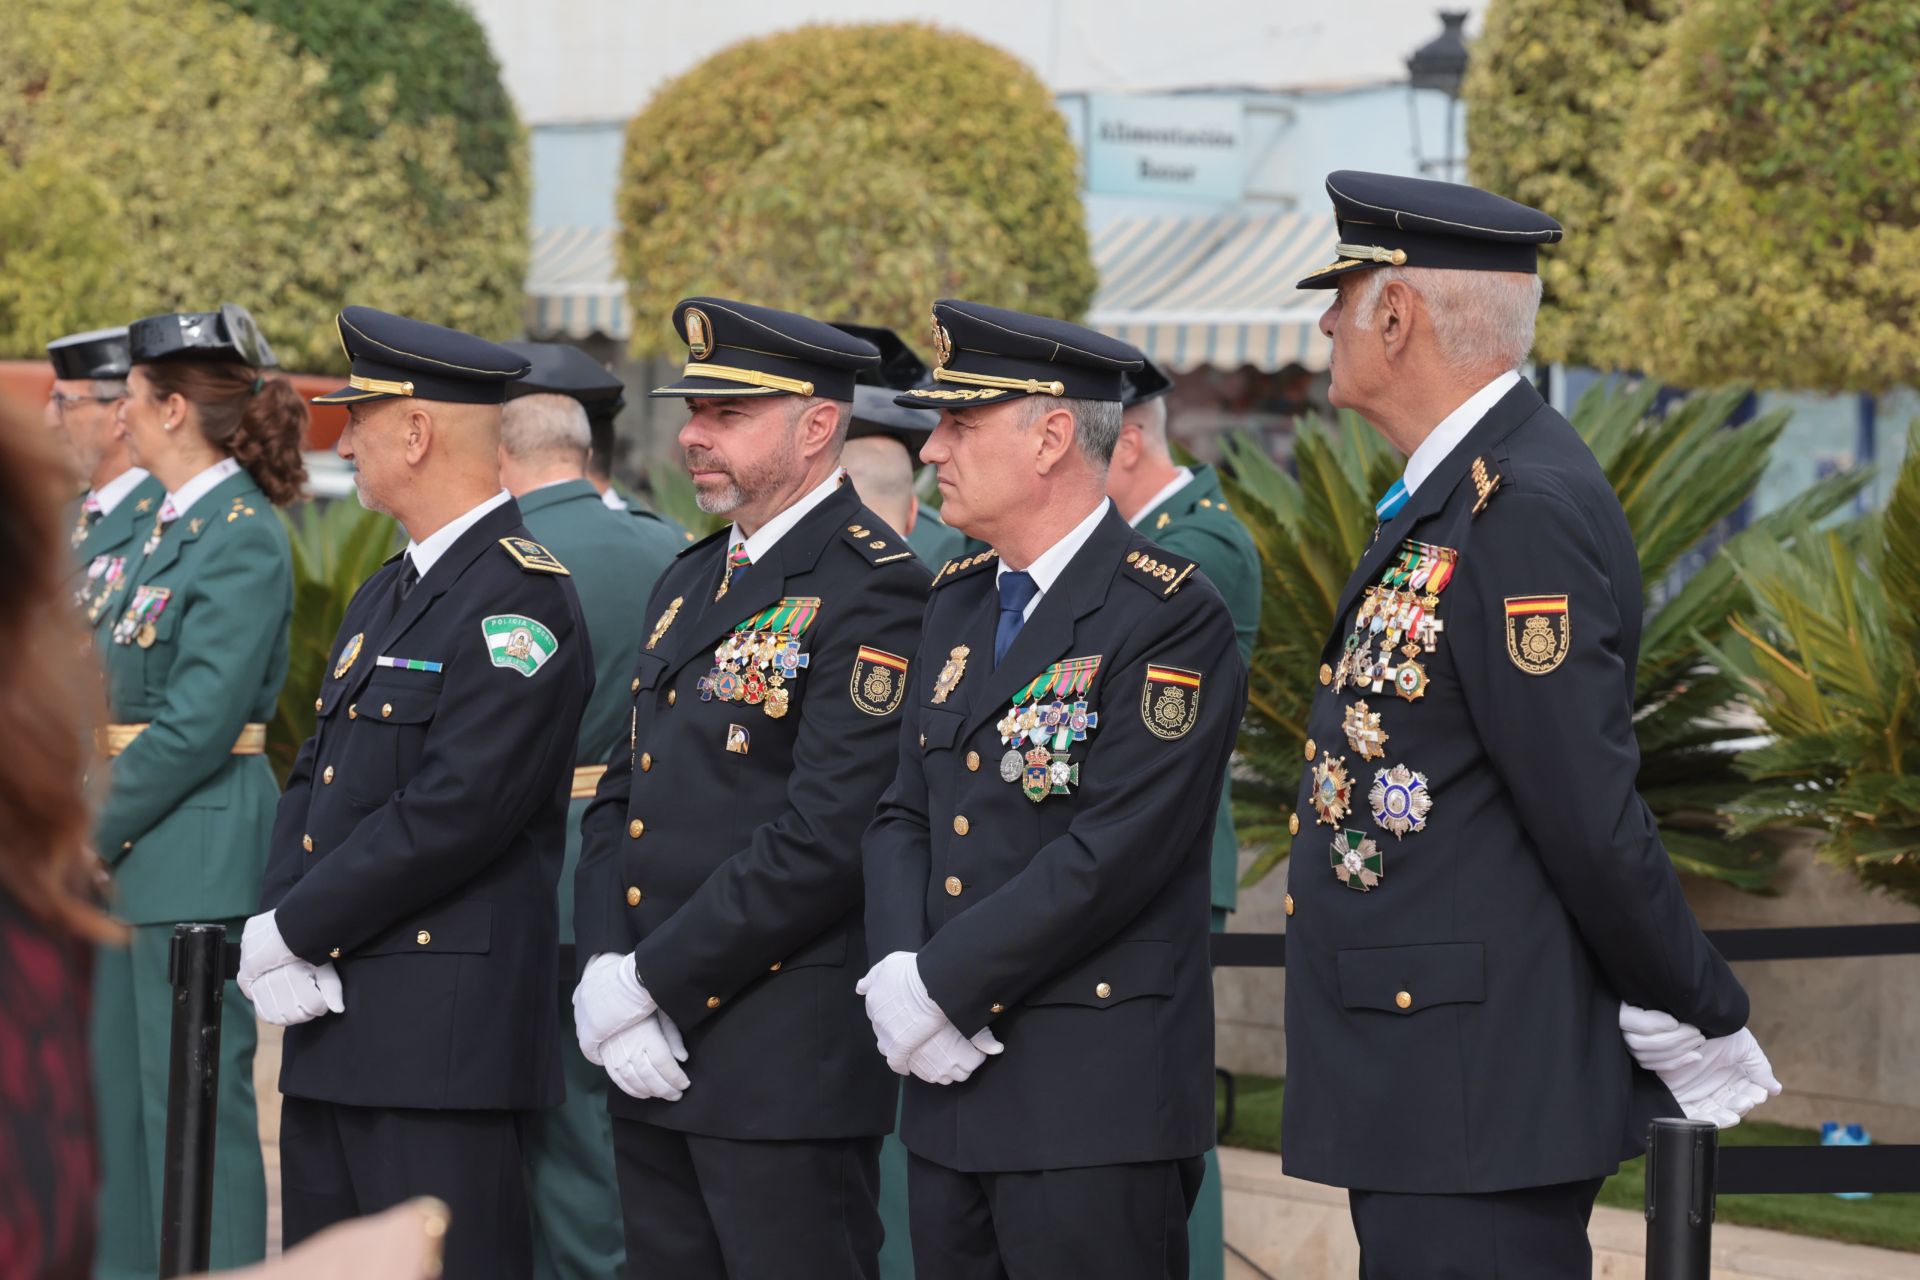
<point>115,738</point>
<point>586,780</point>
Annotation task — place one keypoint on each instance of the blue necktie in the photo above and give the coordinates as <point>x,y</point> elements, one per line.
<point>1016,590</point>
<point>1389,506</point>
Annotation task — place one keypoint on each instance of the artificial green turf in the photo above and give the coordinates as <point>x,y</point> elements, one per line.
<point>1889,1221</point>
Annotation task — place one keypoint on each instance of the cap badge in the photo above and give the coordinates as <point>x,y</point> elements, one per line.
<point>699,333</point>
<point>942,344</point>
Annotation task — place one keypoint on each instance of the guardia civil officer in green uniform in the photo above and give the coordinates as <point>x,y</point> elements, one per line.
<point>615,559</point>
<point>1475,887</point>
<point>406,936</point>
<point>719,896</point>
<point>89,382</point>
<point>195,657</point>
<point>1183,511</point>
<point>1037,874</point>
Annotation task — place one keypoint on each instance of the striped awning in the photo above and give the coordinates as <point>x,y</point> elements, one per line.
<point>1216,290</point>
<point>574,289</point>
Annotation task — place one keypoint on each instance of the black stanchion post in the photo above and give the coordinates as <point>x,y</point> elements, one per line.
<point>1682,1156</point>
<point>197,968</point>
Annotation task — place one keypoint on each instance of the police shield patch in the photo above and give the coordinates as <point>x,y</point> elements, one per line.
<point>518,642</point>
<point>1170,701</point>
<point>1539,630</point>
<point>878,682</point>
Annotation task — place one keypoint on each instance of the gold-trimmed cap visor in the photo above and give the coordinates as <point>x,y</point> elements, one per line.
<point>739,349</point>
<point>1388,220</point>
<point>394,356</point>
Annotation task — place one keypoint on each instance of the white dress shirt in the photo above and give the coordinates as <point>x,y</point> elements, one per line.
<point>1453,429</point>
<point>772,531</point>
<point>183,498</point>
<point>1051,563</point>
<point>1182,477</point>
<point>115,491</point>
<point>425,553</point>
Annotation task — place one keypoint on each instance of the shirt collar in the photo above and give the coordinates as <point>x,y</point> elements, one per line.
<point>1453,429</point>
<point>610,499</point>
<point>183,498</point>
<point>441,540</point>
<point>1182,477</point>
<point>772,531</point>
<point>114,492</point>
<point>1051,563</point>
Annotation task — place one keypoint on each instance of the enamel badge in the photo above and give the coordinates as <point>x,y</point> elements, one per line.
<point>1539,630</point>
<point>1170,701</point>
<point>518,642</point>
<point>1364,734</point>
<point>349,654</point>
<point>1049,714</point>
<point>1399,800</point>
<point>1356,860</point>
<point>666,620</point>
<point>1332,790</point>
<point>949,677</point>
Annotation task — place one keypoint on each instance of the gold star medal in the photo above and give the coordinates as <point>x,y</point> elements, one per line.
<point>1332,790</point>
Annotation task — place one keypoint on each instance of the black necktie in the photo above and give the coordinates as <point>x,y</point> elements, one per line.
<point>409,578</point>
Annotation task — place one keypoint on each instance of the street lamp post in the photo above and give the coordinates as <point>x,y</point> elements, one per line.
<point>1441,64</point>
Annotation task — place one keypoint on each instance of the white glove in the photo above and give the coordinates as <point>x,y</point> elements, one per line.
<point>608,999</point>
<point>291,994</point>
<point>644,1059</point>
<point>1659,1041</point>
<point>1732,1077</point>
<point>261,949</point>
<point>949,1057</point>
<point>904,1016</point>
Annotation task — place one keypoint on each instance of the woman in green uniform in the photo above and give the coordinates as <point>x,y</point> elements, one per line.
<point>194,661</point>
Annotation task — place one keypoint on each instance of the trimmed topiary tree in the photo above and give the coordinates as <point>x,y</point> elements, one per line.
<point>220,153</point>
<point>1547,92</point>
<point>853,172</point>
<point>1767,227</point>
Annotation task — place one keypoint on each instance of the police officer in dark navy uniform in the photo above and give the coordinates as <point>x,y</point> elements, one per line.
<point>1475,888</point>
<point>718,903</point>
<point>1037,874</point>
<point>407,927</point>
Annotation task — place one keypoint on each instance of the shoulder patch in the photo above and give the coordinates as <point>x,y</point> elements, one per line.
<point>876,543</point>
<point>960,568</point>
<point>694,544</point>
<point>1157,571</point>
<point>533,557</point>
<point>1486,478</point>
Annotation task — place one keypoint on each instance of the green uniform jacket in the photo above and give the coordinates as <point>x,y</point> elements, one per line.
<point>614,562</point>
<point>935,541</point>
<point>1195,523</point>
<point>116,536</point>
<point>186,821</point>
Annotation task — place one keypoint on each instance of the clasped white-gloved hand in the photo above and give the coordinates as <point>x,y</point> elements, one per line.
<point>903,1015</point>
<point>608,1000</point>
<point>1659,1041</point>
<point>949,1057</point>
<point>1718,1080</point>
<point>285,990</point>
<point>644,1058</point>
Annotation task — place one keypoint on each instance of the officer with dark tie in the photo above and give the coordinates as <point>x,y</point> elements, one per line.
<point>407,935</point>
<point>718,904</point>
<point>1475,888</point>
<point>1037,874</point>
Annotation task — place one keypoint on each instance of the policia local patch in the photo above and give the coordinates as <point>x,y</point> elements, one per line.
<point>518,642</point>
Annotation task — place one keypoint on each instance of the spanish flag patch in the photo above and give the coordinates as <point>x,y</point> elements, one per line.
<point>1539,632</point>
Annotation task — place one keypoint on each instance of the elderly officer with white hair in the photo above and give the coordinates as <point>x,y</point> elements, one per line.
<point>1481,909</point>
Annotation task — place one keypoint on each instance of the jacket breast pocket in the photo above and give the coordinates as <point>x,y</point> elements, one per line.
<point>1125,971</point>
<point>939,728</point>
<point>1405,980</point>
<point>387,735</point>
<point>646,674</point>
<point>451,928</point>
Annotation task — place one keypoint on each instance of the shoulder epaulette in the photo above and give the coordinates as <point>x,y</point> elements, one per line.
<point>1158,572</point>
<point>533,557</point>
<point>240,510</point>
<point>694,545</point>
<point>1486,478</point>
<point>960,568</point>
<point>876,547</point>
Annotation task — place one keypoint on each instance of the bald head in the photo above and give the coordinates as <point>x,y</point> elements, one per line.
<point>882,474</point>
<point>424,462</point>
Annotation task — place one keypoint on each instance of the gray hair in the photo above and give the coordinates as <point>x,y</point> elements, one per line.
<point>1151,417</point>
<point>545,427</point>
<point>1481,319</point>
<point>798,407</point>
<point>1096,424</point>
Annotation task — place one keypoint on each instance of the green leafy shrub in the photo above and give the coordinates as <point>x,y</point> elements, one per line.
<point>59,269</point>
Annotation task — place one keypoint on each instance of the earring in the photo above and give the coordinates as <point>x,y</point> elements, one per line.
<point>170,424</point>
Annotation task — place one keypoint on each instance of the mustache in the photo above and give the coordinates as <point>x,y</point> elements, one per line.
<point>701,460</point>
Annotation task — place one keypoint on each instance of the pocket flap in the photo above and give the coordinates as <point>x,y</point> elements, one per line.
<point>457,928</point>
<point>1409,979</point>
<point>939,728</point>
<point>1125,970</point>
<point>828,949</point>
<point>647,672</point>
<point>400,701</point>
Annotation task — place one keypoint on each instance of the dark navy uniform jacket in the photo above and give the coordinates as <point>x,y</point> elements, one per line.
<point>1452,1014</point>
<point>418,841</point>
<point>723,845</point>
<point>1074,926</point>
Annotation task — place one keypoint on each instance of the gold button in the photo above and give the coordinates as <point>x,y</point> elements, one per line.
<point>1404,1000</point>
<point>306,842</point>
<point>954,886</point>
<point>634,895</point>
<point>713,1002</point>
<point>353,711</point>
<point>423,937</point>
<point>319,704</point>
<point>1310,748</point>
<point>973,761</point>
<point>774,967</point>
<point>673,696</point>
<point>636,684</point>
<point>960,824</point>
<point>126,844</point>
<point>334,954</point>
<point>1103,991</point>
<point>1293,824</point>
<point>646,762</point>
<point>386,709</point>
<point>998,1008</point>
<point>635,828</point>
<point>1288,902</point>
<point>326,775</point>
<point>1326,674</point>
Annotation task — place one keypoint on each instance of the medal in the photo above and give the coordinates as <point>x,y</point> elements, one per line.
<point>756,660</point>
<point>1356,860</point>
<point>950,674</point>
<point>349,654</point>
<point>1047,716</point>
<point>1410,680</point>
<point>1399,800</point>
<point>1010,766</point>
<point>1036,779</point>
<point>666,620</point>
<point>1332,790</point>
<point>1364,734</point>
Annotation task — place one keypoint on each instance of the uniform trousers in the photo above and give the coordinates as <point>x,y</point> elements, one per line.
<point>703,1208</point>
<point>1534,1233</point>
<point>339,1162</point>
<point>1106,1222</point>
<point>570,1179</point>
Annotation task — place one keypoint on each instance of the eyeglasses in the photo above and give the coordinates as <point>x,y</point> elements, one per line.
<point>61,402</point>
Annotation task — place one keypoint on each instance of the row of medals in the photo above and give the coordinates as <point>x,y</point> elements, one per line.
<point>753,667</point>
<point>1398,799</point>
<point>1038,738</point>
